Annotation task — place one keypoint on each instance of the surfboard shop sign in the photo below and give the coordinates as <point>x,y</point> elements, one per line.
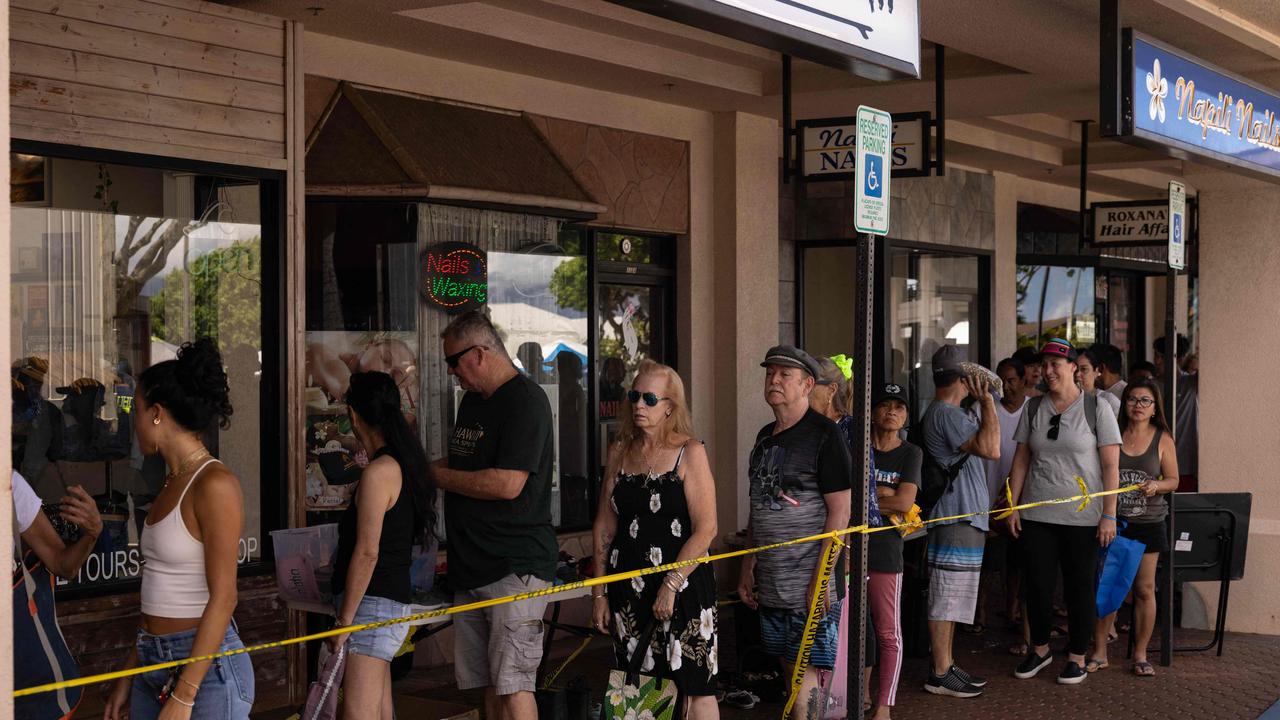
<point>455,276</point>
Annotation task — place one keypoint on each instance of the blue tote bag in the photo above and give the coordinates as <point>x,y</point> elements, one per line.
<point>1117,567</point>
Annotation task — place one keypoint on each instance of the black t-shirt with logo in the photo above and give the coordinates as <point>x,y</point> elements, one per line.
<point>893,467</point>
<point>490,539</point>
<point>790,473</point>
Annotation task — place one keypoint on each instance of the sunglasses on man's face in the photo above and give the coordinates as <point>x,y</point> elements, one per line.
<point>1055,425</point>
<point>650,399</point>
<point>453,360</point>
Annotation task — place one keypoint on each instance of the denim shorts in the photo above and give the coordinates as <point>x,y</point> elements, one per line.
<point>384,642</point>
<point>781,632</point>
<point>225,693</point>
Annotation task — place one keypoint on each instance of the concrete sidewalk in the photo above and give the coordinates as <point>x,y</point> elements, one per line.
<point>1241,685</point>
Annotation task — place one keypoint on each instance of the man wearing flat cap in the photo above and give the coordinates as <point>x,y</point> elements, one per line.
<point>800,473</point>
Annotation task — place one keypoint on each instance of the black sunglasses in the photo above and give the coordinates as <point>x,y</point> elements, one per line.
<point>453,360</point>
<point>1055,425</point>
<point>650,399</point>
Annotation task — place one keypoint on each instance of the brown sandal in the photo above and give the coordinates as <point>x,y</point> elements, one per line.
<point>1144,669</point>
<point>1094,665</point>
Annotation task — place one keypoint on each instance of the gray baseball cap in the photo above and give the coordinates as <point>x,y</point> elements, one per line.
<point>948,359</point>
<point>791,356</point>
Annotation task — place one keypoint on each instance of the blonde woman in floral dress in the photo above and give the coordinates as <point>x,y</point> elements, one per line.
<point>658,505</point>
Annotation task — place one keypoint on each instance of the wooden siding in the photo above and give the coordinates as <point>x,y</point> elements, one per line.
<point>163,77</point>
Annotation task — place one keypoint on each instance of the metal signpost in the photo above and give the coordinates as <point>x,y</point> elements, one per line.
<point>1177,260</point>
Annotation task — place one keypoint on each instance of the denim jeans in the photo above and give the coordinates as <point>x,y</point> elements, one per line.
<point>226,693</point>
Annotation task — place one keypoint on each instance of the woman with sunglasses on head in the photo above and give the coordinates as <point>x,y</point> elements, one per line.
<point>190,542</point>
<point>1148,457</point>
<point>1064,437</point>
<point>657,506</point>
<point>393,509</point>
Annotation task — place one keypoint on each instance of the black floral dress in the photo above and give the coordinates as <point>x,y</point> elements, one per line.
<point>653,525</point>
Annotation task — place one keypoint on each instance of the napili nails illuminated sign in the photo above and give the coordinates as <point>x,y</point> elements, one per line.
<point>1191,107</point>
<point>455,276</point>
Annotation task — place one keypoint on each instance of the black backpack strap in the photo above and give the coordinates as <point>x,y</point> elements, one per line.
<point>1033,407</point>
<point>1091,412</point>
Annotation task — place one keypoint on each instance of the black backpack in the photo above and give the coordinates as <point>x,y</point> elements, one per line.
<point>935,478</point>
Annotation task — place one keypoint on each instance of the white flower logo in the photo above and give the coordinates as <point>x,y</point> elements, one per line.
<point>647,665</point>
<point>637,584</point>
<point>713,658</point>
<point>675,656</point>
<point>635,528</point>
<point>613,558</point>
<point>675,527</point>
<point>655,503</point>
<point>1159,89</point>
<point>655,556</point>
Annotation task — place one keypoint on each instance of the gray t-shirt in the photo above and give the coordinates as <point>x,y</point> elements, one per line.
<point>790,475</point>
<point>946,428</point>
<point>1055,464</point>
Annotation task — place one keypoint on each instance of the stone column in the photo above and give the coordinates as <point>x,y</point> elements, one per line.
<point>745,299</point>
<point>1239,397</point>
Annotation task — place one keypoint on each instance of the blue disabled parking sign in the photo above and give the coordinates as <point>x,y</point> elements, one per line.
<point>872,186</point>
<point>871,192</point>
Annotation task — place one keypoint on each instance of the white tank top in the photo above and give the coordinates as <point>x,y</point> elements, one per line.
<point>173,579</point>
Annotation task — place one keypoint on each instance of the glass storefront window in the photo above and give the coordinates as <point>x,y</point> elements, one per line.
<point>1055,302</point>
<point>828,294</point>
<point>113,268</point>
<point>933,300</point>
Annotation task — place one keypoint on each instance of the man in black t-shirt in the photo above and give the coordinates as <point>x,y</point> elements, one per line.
<point>497,508</point>
<point>800,475</point>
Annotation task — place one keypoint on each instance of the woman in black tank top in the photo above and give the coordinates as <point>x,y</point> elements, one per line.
<point>393,509</point>
<point>1148,458</point>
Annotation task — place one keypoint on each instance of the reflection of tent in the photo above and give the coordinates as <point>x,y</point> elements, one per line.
<point>161,351</point>
<point>522,323</point>
<point>551,352</point>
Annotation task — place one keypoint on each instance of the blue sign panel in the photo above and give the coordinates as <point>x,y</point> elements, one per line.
<point>873,180</point>
<point>1182,102</point>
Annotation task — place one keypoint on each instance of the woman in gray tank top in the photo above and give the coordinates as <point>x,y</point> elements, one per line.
<point>1148,458</point>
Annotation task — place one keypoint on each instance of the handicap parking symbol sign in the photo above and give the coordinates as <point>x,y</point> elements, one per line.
<point>873,177</point>
<point>1177,228</point>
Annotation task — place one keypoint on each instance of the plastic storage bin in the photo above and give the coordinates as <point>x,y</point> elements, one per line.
<point>304,563</point>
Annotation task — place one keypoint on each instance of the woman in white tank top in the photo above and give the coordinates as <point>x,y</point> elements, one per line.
<point>189,548</point>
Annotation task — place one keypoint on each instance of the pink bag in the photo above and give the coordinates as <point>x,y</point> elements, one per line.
<point>835,684</point>
<point>322,699</point>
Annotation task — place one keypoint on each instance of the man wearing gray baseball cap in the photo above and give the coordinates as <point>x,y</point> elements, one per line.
<point>800,474</point>
<point>955,445</point>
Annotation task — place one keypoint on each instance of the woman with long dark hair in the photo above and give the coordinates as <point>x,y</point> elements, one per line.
<point>393,508</point>
<point>1148,457</point>
<point>190,544</point>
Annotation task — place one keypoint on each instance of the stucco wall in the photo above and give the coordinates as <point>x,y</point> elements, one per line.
<point>1239,400</point>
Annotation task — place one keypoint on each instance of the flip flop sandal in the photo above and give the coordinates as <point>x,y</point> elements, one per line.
<point>1019,650</point>
<point>1144,669</point>
<point>1094,665</point>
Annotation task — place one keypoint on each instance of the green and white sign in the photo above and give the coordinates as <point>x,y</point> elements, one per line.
<point>1177,225</point>
<point>871,189</point>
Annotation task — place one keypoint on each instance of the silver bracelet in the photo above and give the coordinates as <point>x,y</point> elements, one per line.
<point>174,696</point>
<point>672,584</point>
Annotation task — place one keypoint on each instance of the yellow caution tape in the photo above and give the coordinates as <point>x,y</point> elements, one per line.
<point>816,612</point>
<point>492,602</point>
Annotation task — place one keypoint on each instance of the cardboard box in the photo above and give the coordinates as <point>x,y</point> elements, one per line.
<point>417,708</point>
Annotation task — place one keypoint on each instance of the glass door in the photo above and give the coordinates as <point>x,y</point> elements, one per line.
<point>933,298</point>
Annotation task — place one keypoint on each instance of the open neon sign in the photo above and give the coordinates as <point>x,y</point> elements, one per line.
<point>455,276</point>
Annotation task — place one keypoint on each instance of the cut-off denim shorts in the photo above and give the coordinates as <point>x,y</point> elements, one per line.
<point>384,642</point>
<point>226,693</point>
